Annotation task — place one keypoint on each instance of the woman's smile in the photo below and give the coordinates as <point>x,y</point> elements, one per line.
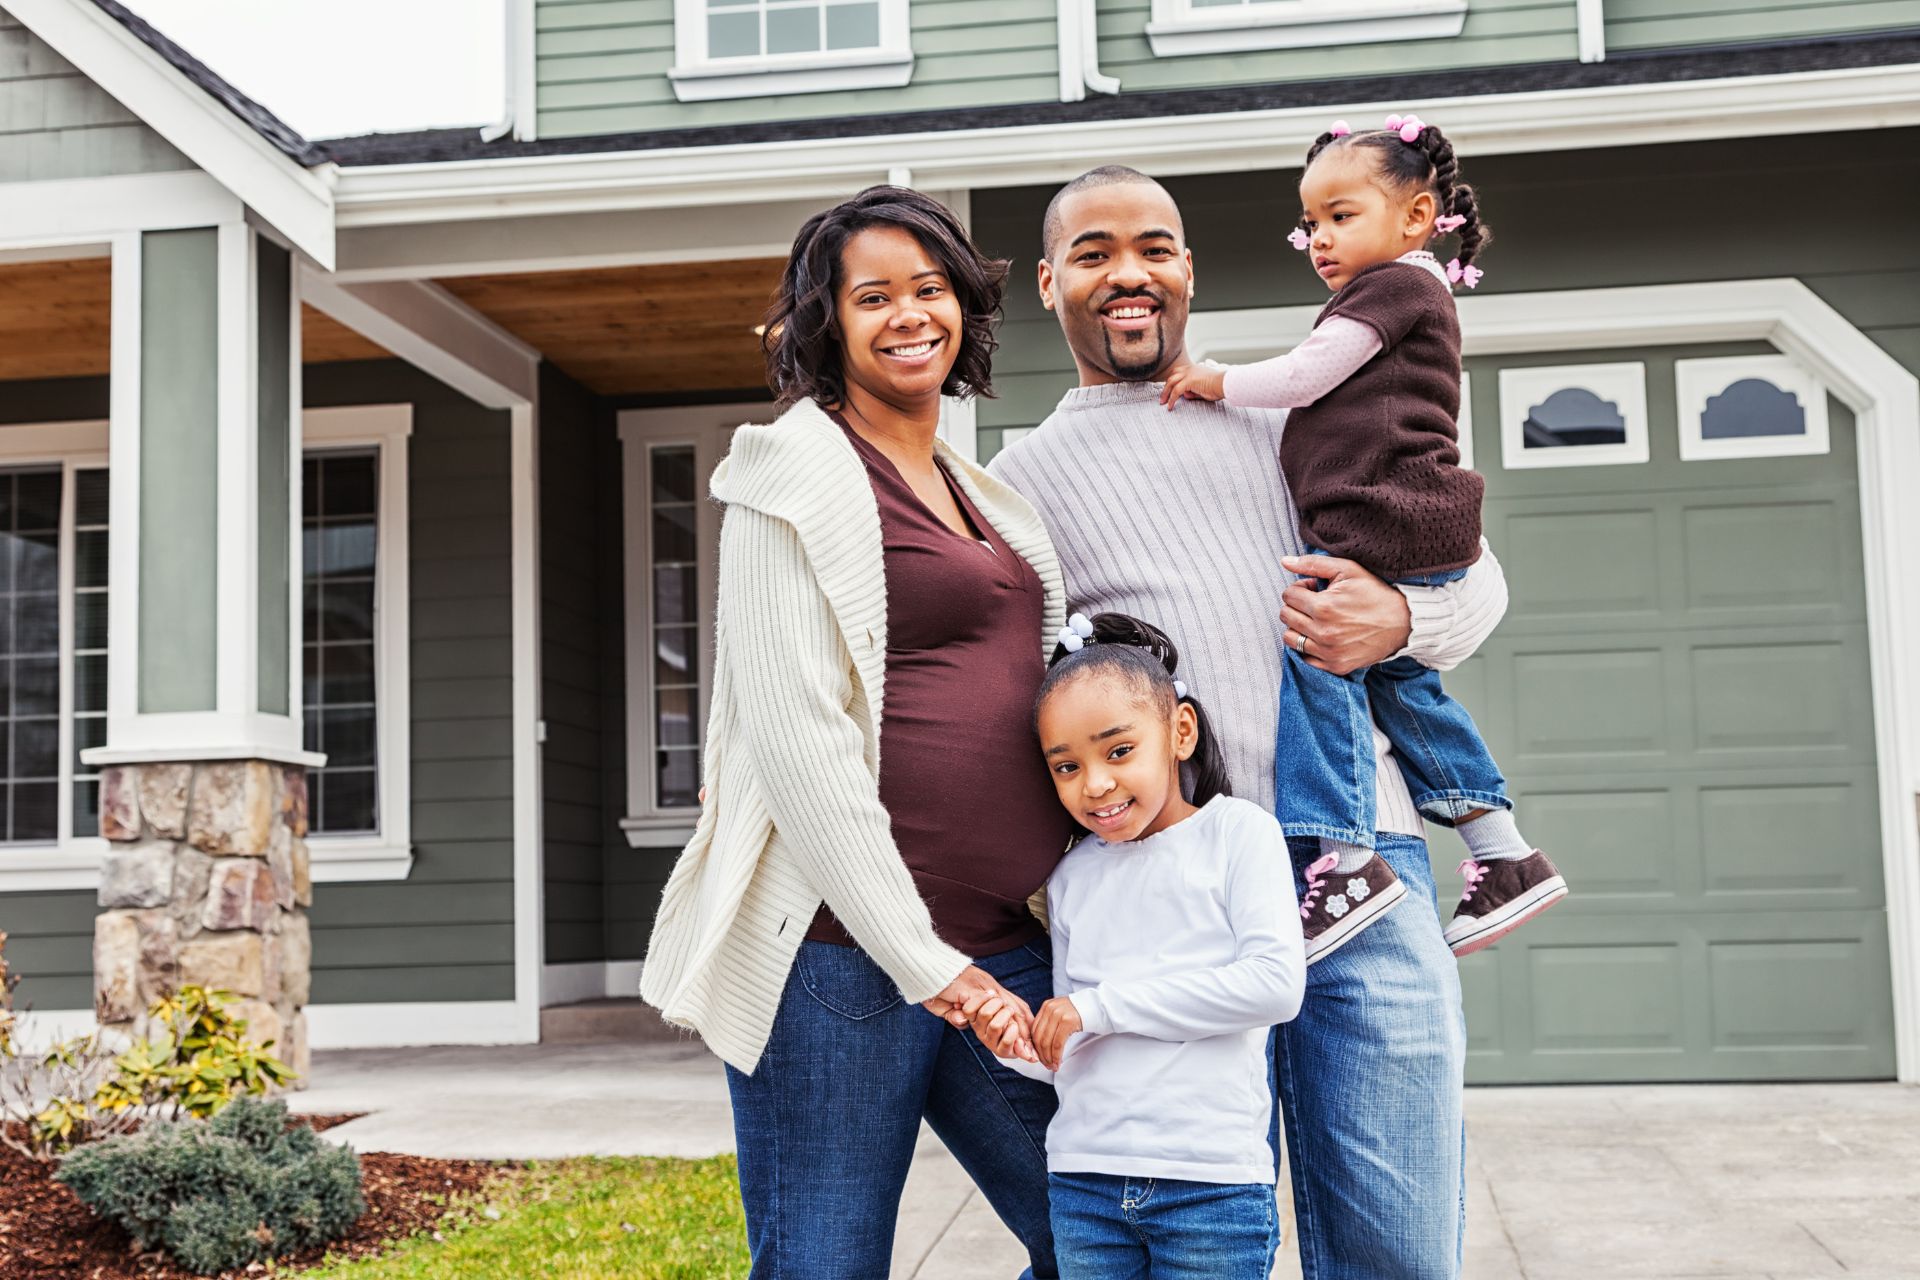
<point>913,354</point>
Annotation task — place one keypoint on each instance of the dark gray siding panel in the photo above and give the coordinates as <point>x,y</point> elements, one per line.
<point>446,932</point>
<point>574,423</point>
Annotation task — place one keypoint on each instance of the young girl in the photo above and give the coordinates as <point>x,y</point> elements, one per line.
<point>1371,452</point>
<point>1176,948</point>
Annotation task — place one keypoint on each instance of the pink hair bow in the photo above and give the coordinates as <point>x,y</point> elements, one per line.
<point>1468,276</point>
<point>1340,129</point>
<point>1407,126</point>
<point>1451,222</point>
<point>1299,238</point>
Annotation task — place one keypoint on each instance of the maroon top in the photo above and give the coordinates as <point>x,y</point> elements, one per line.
<point>1374,463</point>
<point>974,813</point>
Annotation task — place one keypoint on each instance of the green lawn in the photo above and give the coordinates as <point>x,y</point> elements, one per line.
<point>598,1219</point>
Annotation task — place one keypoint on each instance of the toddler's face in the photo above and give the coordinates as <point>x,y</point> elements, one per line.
<point>1355,219</point>
<point>1114,752</point>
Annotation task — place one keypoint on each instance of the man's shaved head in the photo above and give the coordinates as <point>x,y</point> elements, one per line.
<point>1107,175</point>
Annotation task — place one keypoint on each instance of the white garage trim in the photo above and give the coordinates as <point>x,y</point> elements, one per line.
<point>1885,400</point>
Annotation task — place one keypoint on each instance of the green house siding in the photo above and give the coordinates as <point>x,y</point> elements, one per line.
<point>55,123</point>
<point>1496,33</point>
<point>1665,24</point>
<point>602,67</point>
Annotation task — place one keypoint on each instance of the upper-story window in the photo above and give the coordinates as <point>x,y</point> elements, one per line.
<point>755,48</point>
<point>1179,27</point>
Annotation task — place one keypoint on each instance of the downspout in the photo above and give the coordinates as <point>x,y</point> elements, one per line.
<point>1591,26</point>
<point>1080,52</point>
<point>519,115</point>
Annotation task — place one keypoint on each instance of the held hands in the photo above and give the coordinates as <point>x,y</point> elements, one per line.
<point>1354,621</point>
<point>1041,1039</point>
<point>1194,382</point>
<point>968,998</point>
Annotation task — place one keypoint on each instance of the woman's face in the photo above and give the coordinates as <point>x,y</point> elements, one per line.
<point>1114,753</point>
<point>899,321</point>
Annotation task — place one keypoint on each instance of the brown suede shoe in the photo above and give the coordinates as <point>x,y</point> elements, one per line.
<point>1501,896</point>
<point>1339,904</point>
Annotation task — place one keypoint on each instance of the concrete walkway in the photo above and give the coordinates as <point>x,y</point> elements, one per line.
<point>1757,1182</point>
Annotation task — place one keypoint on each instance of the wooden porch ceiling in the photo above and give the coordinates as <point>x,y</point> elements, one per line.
<point>56,317</point>
<point>652,330</point>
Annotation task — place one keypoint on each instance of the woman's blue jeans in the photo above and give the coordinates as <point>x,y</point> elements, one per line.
<point>827,1122</point>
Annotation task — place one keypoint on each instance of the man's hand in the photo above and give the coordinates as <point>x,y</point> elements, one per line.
<point>1057,1022</point>
<point>1194,382</point>
<point>1355,621</point>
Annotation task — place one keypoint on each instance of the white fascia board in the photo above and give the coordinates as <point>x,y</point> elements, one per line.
<point>431,329</point>
<point>831,168</point>
<point>297,200</point>
<point>75,211</point>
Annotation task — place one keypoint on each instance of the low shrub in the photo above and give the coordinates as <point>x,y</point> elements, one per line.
<point>221,1193</point>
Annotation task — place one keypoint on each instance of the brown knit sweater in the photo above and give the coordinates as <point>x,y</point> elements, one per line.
<point>1375,463</point>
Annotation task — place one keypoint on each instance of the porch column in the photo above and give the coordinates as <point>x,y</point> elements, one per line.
<point>203,783</point>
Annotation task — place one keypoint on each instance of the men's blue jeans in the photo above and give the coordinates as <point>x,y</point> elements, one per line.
<point>1323,757</point>
<point>826,1124</point>
<point>1369,1078</point>
<point>1108,1227</point>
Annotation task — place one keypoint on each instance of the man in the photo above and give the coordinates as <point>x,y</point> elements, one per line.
<point>1183,518</point>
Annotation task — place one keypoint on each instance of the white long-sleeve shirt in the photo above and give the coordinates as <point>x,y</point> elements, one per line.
<point>1180,952</point>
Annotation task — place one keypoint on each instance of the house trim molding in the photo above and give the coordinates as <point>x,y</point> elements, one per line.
<point>1885,400</point>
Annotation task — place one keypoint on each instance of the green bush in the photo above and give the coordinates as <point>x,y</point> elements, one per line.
<point>221,1193</point>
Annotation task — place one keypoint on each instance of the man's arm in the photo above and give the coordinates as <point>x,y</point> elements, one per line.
<point>1359,619</point>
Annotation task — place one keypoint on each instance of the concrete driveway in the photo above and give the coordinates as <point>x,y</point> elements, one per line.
<point>1779,1181</point>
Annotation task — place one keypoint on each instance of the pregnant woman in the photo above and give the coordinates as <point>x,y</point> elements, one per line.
<point>874,821</point>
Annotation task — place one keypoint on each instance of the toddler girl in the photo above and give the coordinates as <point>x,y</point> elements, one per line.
<point>1371,452</point>
<point>1176,948</point>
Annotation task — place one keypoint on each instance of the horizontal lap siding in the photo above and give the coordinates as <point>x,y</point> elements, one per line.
<point>55,123</point>
<point>1666,24</point>
<point>1563,221</point>
<point>602,67</point>
<point>1496,33</point>
<point>446,932</point>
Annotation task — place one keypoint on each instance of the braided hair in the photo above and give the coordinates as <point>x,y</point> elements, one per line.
<point>1141,654</point>
<point>1427,163</point>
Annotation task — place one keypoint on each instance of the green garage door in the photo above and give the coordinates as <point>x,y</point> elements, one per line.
<point>1680,698</point>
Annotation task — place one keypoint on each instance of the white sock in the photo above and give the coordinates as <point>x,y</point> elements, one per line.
<point>1493,837</point>
<point>1352,856</point>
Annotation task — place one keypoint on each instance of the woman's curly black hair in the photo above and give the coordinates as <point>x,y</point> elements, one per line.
<point>1142,654</point>
<point>801,341</point>
<point>1428,163</point>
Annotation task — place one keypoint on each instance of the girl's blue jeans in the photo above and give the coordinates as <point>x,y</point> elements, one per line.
<point>1110,1227</point>
<point>1323,757</point>
<point>827,1122</point>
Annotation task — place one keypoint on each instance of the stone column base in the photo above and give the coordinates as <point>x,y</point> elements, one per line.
<point>206,883</point>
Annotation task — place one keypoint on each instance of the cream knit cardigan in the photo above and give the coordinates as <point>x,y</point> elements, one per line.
<point>792,771</point>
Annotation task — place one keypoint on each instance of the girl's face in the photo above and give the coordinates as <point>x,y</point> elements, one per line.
<point>1115,755</point>
<point>898,318</point>
<point>1355,218</point>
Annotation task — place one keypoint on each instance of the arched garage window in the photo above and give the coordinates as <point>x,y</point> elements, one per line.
<point>1573,415</point>
<point>1749,407</point>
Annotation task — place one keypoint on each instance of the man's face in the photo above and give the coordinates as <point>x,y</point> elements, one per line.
<point>1120,279</point>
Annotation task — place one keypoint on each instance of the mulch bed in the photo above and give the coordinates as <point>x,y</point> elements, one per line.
<point>46,1233</point>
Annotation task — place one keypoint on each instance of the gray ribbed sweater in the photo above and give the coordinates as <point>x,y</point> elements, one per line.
<point>1181,518</point>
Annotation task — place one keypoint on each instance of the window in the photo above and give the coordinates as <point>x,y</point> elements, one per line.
<point>1749,407</point>
<point>1180,27</point>
<point>355,689</point>
<point>748,48</point>
<point>673,535</point>
<point>1573,416</point>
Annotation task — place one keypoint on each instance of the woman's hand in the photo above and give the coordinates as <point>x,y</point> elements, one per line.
<point>1006,1029</point>
<point>1194,382</point>
<point>1056,1024</point>
<point>972,989</point>
<point>1355,621</point>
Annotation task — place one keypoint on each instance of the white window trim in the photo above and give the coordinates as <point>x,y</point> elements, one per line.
<point>1466,420</point>
<point>69,861</point>
<point>1698,381</point>
<point>1177,29</point>
<point>387,855</point>
<point>1624,384</point>
<point>707,428</point>
<point>699,78</point>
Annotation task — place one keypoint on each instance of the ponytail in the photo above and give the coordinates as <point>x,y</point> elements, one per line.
<point>1116,644</point>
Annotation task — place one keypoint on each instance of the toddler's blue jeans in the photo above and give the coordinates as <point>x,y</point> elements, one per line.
<point>1109,1227</point>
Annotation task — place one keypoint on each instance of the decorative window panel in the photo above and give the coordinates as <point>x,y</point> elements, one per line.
<point>1749,407</point>
<point>759,28</point>
<point>756,48</point>
<point>340,524</point>
<point>1573,415</point>
<point>673,553</point>
<point>89,716</point>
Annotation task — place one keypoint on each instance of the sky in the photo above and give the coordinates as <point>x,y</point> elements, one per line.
<point>331,68</point>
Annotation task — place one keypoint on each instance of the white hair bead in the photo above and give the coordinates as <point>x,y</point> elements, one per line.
<point>1180,689</point>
